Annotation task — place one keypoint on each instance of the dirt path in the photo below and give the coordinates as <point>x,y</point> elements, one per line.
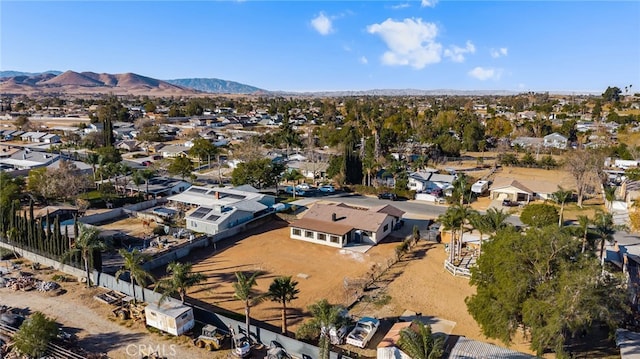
<point>79,313</point>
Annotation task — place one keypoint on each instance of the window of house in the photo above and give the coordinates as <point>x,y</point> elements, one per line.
<point>296,232</point>
<point>322,237</point>
<point>334,239</point>
<point>308,234</point>
<point>386,227</point>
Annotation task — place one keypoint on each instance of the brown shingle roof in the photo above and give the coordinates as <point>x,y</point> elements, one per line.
<point>322,226</point>
<point>364,219</point>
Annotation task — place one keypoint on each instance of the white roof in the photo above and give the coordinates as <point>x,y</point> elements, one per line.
<point>169,308</point>
<point>206,196</point>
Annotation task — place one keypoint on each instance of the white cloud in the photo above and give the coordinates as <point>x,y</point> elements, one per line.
<point>363,60</point>
<point>503,51</point>
<point>483,74</point>
<point>322,24</point>
<point>410,42</point>
<point>457,53</point>
<point>428,3</point>
<point>400,6</point>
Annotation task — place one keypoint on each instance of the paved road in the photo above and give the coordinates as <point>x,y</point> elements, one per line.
<point>411,207</point>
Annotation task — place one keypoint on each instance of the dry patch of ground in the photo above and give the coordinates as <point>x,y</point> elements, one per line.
<point>132,226</point>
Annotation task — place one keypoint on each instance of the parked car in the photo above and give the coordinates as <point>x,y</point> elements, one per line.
<point>363,332</point>
<point>327,188</point>
<point>509,203</point>
<point>388,195</point>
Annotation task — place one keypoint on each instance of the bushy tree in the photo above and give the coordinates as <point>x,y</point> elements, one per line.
<point>35,334</point>
<point>539,215</point>
<point>258,173</point>
<point>181,166</point>
<point>325,316</point>
<point>539,281</point>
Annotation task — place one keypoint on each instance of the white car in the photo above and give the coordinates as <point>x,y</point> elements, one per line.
<point>363,332</point>
<point>327,188</point>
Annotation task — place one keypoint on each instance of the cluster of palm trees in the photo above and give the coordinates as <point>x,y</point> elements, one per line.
<point>459,219</point>
<point>109,170</point>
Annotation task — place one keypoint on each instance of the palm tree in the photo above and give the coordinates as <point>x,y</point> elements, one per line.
<point>604,230</point>
<point>243,290</point>
<point>93,159</point>
<point>324,317</point>
<point>450,221</point>
<point>583,229</point>
<point>495,219</point>
<point>283,290</point>
<point>560,197</point>
<point>86,243</point>
<point>137,180</point>
<point>182,278</point>
<point>609,195</point>
<point>462,213</point>
<point>147,175</point>
<point>479,222</point>
<point>132,266</point>
<point>420,344</point>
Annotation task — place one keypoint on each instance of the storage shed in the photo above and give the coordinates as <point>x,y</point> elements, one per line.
<point>171,317</point>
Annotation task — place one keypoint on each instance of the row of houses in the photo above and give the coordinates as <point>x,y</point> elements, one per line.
<point>35,137</point>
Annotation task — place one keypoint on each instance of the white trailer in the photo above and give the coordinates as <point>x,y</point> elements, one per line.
<point>171,317</point>
<point>480,187</point>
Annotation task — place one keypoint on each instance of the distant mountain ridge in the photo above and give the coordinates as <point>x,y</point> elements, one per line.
<point>213,85</point>
<point>75,83</point>
<point>4,74</point>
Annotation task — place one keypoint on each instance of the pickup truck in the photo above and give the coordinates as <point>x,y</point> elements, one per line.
<point>364,330</point>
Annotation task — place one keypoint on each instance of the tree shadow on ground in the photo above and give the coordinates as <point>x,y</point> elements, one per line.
<point>105,342</point>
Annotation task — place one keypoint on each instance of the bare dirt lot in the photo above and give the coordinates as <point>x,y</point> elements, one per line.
<point>320,270</point>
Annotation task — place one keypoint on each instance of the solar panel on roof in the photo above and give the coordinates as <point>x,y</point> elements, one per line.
<point>236,196</point>
<point>197,190</point>
<point>200,212</point>
<point>213,218</point>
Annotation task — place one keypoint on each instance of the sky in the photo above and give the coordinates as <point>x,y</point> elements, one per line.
<point>581,46</point>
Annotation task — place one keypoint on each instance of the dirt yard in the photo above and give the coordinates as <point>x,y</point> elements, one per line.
<point>131,226</point>
<point>320,270</point>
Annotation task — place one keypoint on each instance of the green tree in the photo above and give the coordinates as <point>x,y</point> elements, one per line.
<point>561,196</point>
<point>324,317</point>
<point>35,334</point>
<point>418,342</point>
<point>147,174</point>
<point>611,94</point>
<point>132,267</point>
<point>583,230</point>
<point>539,281</point>
<point>203,149</point>
<point>259,173</point>
<point>108,154</point>
<point>182,278</point>
<point>604,230</point>
<point>93,159</point>
<point>87,242</point>
<point>283,290</point>
<point>539,215</point>
<point>495,219</point>
<point>244,291</point>
<point>181,166</point>
<point>480,223</point>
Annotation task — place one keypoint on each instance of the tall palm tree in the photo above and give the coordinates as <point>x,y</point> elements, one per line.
<point>560,197</point>
<point>495,219</point>
<point>147,174</point>
<point>182,278</point>
<point>137,180</point>
<point>609,195</point>
<point>283,290</point>
<point>450,221</point>
<point>244,291</point>
<point>93,159</point>
<point>84,245</point>
<point>604,229</point>
<point>132,266</point>
<point>479,222</point>
<point>462,213</point>
<point>324,317</point>
<point>419,343</point>
<point>583,229</point>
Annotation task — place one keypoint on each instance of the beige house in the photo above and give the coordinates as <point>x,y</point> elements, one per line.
<point>523,190</point>
<point>339,225</point>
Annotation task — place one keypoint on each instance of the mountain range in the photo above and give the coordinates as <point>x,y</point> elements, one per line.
<point>71,82</point>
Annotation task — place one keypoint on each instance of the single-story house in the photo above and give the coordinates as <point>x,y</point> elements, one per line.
<point>423,181</point>
<point>524,190</point>
<point>555,140</point>
<point>158,186</point>
<point>527,142</point>
<point>510,189</point>
<point>311,170</point>
<point>339,225</point>
<point>214,210</point>
<point>28,159</point>
<point>51,138</point>
<point>93,127</point>
<point>172,151</point>
<point>127,145</point>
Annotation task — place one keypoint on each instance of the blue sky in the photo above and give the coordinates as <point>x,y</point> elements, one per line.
<point>335,45</point>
